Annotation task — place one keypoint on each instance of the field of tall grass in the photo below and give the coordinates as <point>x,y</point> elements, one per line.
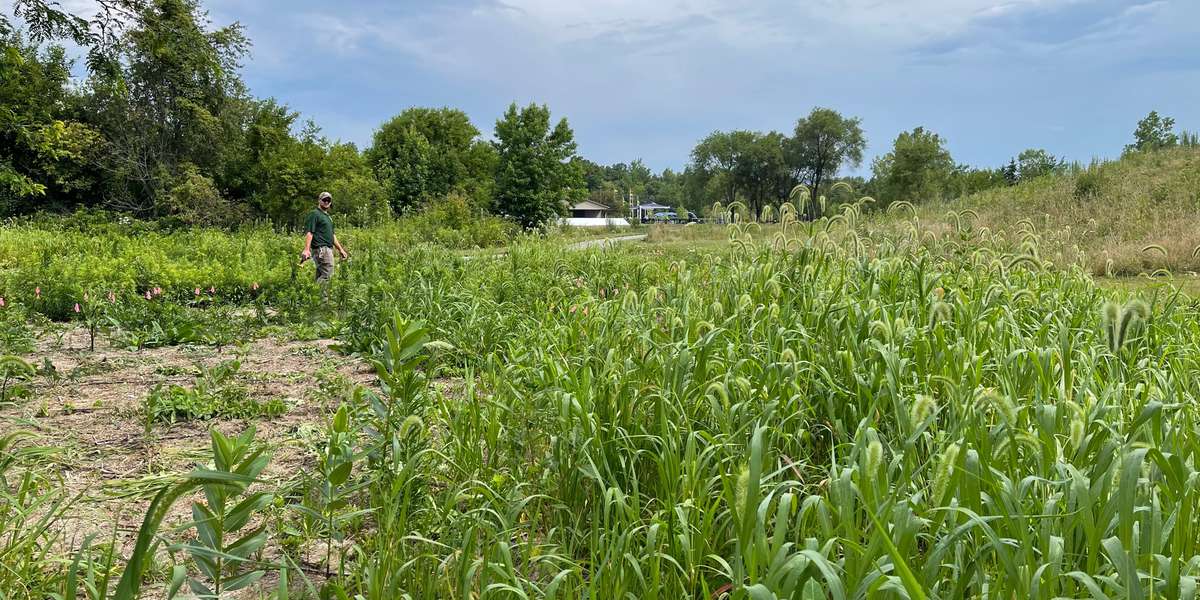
<point>1125,217</point>
<point>818,410</point>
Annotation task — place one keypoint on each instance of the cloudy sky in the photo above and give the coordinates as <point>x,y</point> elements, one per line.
<point>647,78</point>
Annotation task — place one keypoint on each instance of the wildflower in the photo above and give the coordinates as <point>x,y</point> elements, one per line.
<point>85,297</point>
<point>112,298</point>
<point>212,289</point>
<point>157,291</point>
<point>197,292</point>
<point>37,292</point>
<point>148,296</point>
<point>254,286</point>
<point>573,309</point>
<point>1,302</point>
<point>77,307</point>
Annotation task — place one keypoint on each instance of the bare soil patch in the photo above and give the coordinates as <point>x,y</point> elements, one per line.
<point>89,416</point>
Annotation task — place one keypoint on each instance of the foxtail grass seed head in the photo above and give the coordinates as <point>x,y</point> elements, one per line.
<point>921,410</point>
<point>944,472</point>
<point>874,458</point>
<point>880,331</point>
<point>1077,433</point>
<point>742,489</point>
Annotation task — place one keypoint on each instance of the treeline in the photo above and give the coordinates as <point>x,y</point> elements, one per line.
<point>163,127</point>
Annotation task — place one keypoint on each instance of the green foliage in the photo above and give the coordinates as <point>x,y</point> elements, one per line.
<point>31,506</point>
<point>14,374</point>
<point>172,102</point>
<point>1153,133</point>
<point>918,168</point>
<point>227,559</point>
<point>214,394</point>
<point>822,143</point>
<point>456,222</point>
<point>425,153</point>
<point>1088,183</point>
<point>535,178</point>
<point>194,200</point>
<point>1034,163</point>
<point>44,154</point>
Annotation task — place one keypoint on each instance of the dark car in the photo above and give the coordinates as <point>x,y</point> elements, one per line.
<point>673,217</point>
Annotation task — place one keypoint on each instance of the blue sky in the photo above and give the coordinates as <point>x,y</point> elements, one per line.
<point>648,78</point>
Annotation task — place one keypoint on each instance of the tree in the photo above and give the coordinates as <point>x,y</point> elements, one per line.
<point>716,156</point>
<point>1011,173</point>
<point>821,144</point>
<point>1035,162</point>
<point>535,177</point>
<point>173,101</point>
<point>45,155</point>
<point>426,153</point>
<point>918,168</point>
<point>1153,133</point>
<point>759,168</point>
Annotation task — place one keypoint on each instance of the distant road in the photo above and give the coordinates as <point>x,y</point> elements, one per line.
<point>605,242</point>
<point>584,245</point>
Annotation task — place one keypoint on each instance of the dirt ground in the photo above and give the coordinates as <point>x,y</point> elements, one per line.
<point>89,418</point>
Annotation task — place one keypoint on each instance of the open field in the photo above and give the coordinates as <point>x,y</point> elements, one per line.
<point>821,410</point>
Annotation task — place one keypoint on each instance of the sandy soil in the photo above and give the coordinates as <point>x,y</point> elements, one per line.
<point>89,416</point>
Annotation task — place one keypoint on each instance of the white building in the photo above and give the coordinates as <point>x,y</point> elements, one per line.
<point>592,214</point>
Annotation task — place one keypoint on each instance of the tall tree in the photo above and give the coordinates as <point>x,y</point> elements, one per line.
<point>535,176</point>
<point>1153,133</point>
<point>716,156</point>
<point>821,144</point>
<point>175,101</point>
<point>1035,162</point>
<point>45,155</point>
<point>918,167</point>
<point>426,153</point>
<point>759,168</point>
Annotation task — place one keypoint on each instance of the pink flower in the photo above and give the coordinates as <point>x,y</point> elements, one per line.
<point>254,286</point>
<point>197,292</point>
<point>212,290</point>
<point>148,294</point>
<point>157,291</point>
<point>37,292</point>
<point>77,307</point>
<point>1,302</point>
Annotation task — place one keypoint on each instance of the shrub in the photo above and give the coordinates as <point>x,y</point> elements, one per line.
<point>1088,184</point>
<point>195,200</point>
<point>215,394</point>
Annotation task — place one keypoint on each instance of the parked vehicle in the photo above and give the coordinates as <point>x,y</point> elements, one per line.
<point>673,217</point>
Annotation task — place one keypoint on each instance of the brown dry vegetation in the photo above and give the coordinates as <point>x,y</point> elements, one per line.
<point>1107,212</point>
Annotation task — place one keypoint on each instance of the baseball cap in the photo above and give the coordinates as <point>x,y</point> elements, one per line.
<point>325,196</point>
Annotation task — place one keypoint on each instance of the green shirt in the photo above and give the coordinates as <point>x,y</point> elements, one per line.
<point>321,227</point>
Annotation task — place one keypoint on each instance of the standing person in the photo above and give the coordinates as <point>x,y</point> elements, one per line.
<point>319,240</point>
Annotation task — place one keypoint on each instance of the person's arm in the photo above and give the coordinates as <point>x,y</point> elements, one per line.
<point>307,253</point>
<point>337,244</point>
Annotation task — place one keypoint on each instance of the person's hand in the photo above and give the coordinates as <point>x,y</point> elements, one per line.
<point>307,254</point>
<point>345,255</point>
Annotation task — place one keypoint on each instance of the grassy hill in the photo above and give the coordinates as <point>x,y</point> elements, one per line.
<point>1124,217</point>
